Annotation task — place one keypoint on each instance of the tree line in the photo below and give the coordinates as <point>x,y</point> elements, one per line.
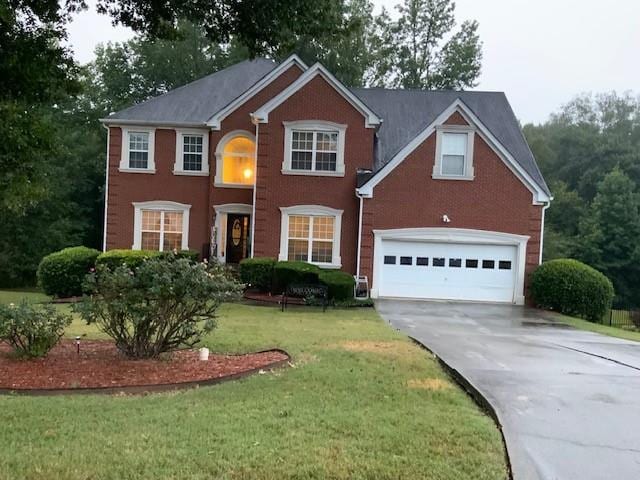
<point>53,150</point>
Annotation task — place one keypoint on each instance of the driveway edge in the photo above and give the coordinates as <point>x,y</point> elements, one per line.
<point>475,395</point>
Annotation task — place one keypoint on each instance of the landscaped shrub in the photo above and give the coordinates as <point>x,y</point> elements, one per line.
<point>573,288</point>
<point>131,258</point>
<point>287,273</point>
<point>158,306</point>
<point>340,284</point>
<point>257,272</point>
<point>62,273</point>
<point>31,330</point>
<point>191,255</point>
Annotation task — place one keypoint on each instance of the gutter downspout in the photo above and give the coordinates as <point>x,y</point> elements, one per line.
<point>106,192</point>
<point>359,234</point>
<point>544,209</point>
<point>255,184</point>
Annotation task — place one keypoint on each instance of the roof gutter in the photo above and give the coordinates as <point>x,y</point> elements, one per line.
<point>114,122</point>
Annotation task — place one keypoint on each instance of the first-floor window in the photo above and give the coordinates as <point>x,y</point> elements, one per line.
<point>161,230</point>
<point>311,238</point>
<point>160,225</point>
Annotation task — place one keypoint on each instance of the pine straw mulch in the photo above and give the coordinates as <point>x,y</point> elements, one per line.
<point>101,366</point>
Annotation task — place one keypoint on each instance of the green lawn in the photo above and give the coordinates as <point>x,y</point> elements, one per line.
<point>361,401</point>
<point>600,328</point>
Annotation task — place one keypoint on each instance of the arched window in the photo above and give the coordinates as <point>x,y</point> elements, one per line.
<point>236,160</point>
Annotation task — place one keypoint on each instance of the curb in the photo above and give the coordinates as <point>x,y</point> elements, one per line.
<point>475,395</point>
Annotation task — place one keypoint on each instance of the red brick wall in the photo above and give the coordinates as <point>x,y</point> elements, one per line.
<point>125,188</point>
<point>240,120</point>
<point>495,200</point>
<point>315,101</point>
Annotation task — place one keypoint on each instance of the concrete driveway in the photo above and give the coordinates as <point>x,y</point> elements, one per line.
<point>568,401</point>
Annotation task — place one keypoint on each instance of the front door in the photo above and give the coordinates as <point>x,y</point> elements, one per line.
<point>237,237</point>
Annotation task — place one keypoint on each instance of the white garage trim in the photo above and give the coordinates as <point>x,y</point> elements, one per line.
<point>452,235</point>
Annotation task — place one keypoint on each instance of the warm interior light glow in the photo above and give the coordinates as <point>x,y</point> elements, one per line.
<point>239,161</point>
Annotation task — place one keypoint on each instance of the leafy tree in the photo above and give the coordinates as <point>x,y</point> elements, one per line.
<point>421,56</point>
<point>259,25</point>
<point>610,235</point>
<point>345,49</point>
<point>35,72</point>
<point>562,221</point>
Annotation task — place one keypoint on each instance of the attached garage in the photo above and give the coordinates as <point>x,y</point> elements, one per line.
<point>449,264</point>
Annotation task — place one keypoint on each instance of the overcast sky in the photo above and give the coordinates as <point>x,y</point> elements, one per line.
<point>540,52</point>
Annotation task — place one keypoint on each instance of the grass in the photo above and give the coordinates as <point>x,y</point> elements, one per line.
<point>600,328</point>
<point>360,402</point>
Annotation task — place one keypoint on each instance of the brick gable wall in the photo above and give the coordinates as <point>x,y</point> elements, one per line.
<point>315,101</point>
<point>496,200</point>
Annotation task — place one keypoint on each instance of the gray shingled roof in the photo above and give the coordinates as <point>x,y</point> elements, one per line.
<point>196,102</point>
<point>406,113</point>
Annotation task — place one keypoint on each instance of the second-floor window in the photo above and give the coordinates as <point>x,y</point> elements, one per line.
<point>137,150</point>
<point>314,148</point>
<point>454,153</point>
<point>192,148</point>
<point>192,152</point>
<point>314,151</point>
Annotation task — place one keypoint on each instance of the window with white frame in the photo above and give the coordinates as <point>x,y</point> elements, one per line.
<point>161,226</point>
<point>314,148</point>
<point>454,154</point>
<point>191,153</point>
<point>311,234</point>
<point>236,160</point>
<point>137,150</point>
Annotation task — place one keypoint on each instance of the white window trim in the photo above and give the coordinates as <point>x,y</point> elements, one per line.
<point>312,210</point>
<point>159,205</point>
<point>124,157</point>
<point>217,181</point>
<point>468,158</point>
<point>314,126</point>
<point>221,220</point>
<point>178,166</point>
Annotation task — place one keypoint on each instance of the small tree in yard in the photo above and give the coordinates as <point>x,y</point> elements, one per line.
<point>160,306</point>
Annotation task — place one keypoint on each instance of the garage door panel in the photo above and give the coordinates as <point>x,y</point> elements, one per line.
<point>451,271</point>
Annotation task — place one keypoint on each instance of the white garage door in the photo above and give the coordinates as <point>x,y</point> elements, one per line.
<point>450,271</point>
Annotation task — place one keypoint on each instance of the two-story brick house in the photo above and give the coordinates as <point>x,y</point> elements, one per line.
<point>429,194</point>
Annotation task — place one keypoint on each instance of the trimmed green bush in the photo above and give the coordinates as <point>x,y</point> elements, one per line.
<point>32,330</point>
<point>287,273</point>
<point>573,288</point>
<point>340,284</point>
<point>133,258</point>
<point>113,259</point>
<point>62,273</point>
<point>192,255</point>
<point>257,272</point>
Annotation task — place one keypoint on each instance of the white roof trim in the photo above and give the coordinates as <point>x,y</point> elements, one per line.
<point>216,120</point>
<point>539,195</point>
<point>371,120</point>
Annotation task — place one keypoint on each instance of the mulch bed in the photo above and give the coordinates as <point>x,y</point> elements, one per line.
<point>101,367</point>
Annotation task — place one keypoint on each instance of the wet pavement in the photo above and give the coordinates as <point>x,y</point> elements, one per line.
<point>568,400</point>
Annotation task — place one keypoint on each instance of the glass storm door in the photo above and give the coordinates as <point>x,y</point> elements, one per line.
<point>237,237</point>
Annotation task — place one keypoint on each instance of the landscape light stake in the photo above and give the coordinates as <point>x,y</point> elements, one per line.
<point>78,345</point>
